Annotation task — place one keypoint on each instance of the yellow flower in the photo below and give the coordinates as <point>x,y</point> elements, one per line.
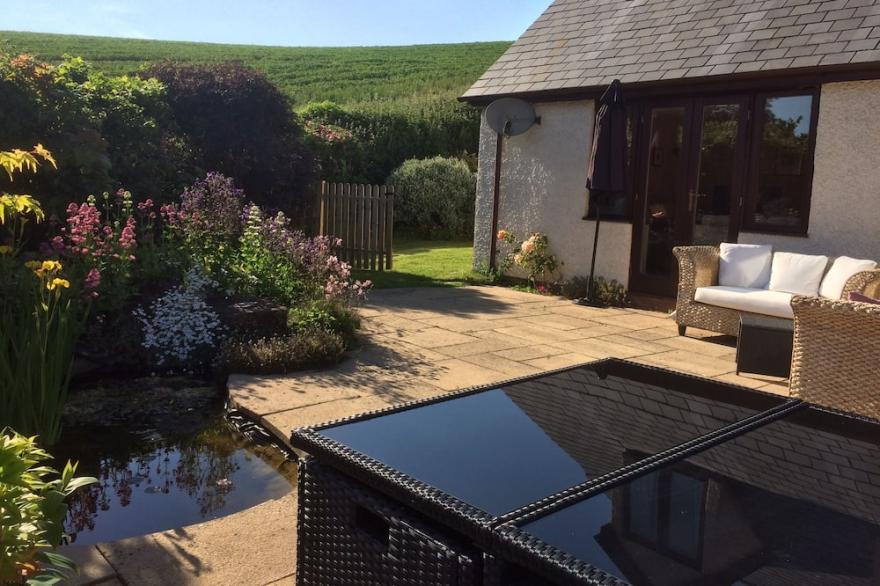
<point>33,264</point>
<point>5,249</point>
<point>51,265</point>
<point>51,285</point>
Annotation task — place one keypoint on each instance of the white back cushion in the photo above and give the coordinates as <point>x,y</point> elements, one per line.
<point>744,265</point>
<point>800,274</point>
<point>840,272</point>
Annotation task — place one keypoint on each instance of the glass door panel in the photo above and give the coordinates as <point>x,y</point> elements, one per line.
<point>665,183</point>
<point>714,201</point>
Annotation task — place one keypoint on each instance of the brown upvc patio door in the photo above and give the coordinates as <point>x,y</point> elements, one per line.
<point>690,174</point>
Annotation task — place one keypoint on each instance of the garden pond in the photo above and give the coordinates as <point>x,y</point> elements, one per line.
<point>165,456</point>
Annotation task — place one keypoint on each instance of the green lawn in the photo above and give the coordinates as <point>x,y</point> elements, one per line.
<point>422,263</point>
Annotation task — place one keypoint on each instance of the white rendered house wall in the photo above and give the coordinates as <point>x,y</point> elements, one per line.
<point>543,177</point>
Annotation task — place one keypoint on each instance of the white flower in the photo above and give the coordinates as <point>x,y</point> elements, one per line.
<point>180,323</point>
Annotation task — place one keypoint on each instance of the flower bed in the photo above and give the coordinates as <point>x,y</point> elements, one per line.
<point>143,289</point>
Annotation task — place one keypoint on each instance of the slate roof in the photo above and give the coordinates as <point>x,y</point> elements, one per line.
<point>588,43</point>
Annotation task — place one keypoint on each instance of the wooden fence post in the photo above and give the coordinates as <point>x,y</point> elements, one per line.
<point>389,227</point>
<point>373,243</point>
<point>380,227</point>
<point>322,209</point>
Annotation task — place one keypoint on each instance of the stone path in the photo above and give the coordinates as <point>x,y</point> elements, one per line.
<point>254,547</point>
<point>419,343</point>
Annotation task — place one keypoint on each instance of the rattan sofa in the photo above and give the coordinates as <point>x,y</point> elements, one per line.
<point>698,267</point>
<point>835,358</point>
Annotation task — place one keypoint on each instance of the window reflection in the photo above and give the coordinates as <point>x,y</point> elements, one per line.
<point>718,144</point>
<point>783,180</point>
<point>664,511</point>
<point>664,184</point>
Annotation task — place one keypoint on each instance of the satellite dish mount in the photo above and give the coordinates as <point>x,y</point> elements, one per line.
<point>507,117</point>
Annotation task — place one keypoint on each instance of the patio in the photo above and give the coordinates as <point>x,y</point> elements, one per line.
<point>419,343</point>
<point>416,343</point>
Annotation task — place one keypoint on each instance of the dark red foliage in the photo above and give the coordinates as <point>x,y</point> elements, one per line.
<point>241,125</point>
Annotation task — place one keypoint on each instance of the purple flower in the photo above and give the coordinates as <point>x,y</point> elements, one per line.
<point>213,205</point>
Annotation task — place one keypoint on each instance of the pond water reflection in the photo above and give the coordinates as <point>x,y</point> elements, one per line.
<point>150,482</point>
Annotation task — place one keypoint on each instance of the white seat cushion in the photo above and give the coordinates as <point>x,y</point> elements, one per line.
<point>800,274</point>
<point>763,301</point>
<point>744,265</point>
<point>840,272</point>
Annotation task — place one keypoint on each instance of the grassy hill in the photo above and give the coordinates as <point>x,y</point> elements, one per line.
<point>349,76</point>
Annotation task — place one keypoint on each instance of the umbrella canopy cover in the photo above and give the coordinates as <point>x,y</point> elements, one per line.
<point>607,167</point>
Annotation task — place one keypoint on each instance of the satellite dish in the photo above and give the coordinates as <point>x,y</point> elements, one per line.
<point>511,116</point>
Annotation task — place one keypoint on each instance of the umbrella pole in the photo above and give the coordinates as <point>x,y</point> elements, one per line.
<point>496,196</point>
<point>593,261</point>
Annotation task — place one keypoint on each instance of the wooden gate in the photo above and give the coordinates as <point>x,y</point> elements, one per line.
<point>362,216</point>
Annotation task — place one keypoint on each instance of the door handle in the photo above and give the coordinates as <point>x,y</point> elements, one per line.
<point>692,198</point>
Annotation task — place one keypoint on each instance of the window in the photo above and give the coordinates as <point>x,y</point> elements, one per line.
<point>778,198</point>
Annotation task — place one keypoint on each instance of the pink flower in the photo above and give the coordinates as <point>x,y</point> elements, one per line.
<point>93,279</point>
<point>126,238</point>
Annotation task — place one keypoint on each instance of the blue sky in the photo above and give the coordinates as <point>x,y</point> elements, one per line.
<point>283,22</point>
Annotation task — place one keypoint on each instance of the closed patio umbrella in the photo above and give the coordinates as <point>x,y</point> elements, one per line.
<point>606,174</point>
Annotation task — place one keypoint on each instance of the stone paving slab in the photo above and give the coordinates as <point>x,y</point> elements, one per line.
<point>93,567</point>
<point>256,546</point>
<point>417,343</point>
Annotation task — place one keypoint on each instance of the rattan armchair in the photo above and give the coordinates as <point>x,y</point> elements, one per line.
<point>836,351</point>
<point>698,267</point>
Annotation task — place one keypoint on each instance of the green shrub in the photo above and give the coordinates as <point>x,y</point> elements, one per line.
<point>32,501</point>
<point>340,153</point>
<point>103,130</point>
<point>378,137</point>
<point>329,315</point>
<point>606,292</point>
<point>434,198</point>
<point>305,348</point>
<point>261,266</point>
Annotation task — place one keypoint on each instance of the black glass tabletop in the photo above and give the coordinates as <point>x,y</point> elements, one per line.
<point>794,502</point>
<point>499,450</point>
